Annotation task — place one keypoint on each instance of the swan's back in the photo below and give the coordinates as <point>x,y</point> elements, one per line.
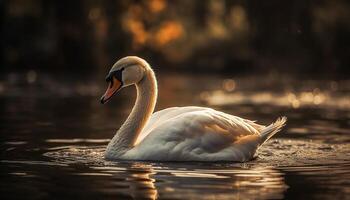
<point>197,133</point>
<point>161,116</point>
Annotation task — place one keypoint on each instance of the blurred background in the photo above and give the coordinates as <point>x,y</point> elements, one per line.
<point>257,59</point>
<point>223,36</point>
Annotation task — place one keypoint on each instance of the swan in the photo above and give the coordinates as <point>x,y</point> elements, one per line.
<point>178,133</point>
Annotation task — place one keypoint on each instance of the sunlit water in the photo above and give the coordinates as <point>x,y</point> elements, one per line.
<point>54,134</point>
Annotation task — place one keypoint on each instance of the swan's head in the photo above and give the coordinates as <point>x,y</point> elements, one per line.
<point>126,71</point>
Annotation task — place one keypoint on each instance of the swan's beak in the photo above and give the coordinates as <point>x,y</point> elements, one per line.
<point>113,87</point>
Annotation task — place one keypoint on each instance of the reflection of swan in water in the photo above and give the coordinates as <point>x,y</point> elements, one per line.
<point>141,184</point>
<point>128,180</point>
<point>178,133</point>
<point>174,181</point>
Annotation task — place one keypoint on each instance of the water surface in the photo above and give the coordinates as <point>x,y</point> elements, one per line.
<point>54,133</point>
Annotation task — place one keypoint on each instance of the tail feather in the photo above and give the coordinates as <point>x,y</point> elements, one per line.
<point>272,129</point>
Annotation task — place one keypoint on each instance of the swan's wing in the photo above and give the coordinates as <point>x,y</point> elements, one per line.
<point>205,133</point>
<point>169,113</point>
<point>161,116</point>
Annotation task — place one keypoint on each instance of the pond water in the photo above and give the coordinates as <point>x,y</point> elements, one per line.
<point>53,134</point>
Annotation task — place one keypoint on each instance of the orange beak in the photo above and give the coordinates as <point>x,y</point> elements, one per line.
<point>113,87</point>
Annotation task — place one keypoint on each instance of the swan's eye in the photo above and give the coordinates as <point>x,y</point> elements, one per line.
<point>118,74</point>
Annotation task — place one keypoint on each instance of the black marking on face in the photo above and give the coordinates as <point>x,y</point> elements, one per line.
<point>117,74</point>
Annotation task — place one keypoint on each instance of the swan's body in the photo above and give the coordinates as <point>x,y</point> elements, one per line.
<point>178,133</point>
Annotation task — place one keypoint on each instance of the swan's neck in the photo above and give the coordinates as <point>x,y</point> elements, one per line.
<point>145,102</point>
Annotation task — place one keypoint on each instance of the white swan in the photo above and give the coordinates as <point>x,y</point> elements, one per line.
<point>178,133</point>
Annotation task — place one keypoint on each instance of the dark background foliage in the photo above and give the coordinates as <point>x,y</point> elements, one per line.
<point>301,37</point>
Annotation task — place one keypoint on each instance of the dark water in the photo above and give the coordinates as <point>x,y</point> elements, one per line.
<point>53,135</point>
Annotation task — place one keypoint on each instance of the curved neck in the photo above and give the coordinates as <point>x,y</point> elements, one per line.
<point>145,102</point>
